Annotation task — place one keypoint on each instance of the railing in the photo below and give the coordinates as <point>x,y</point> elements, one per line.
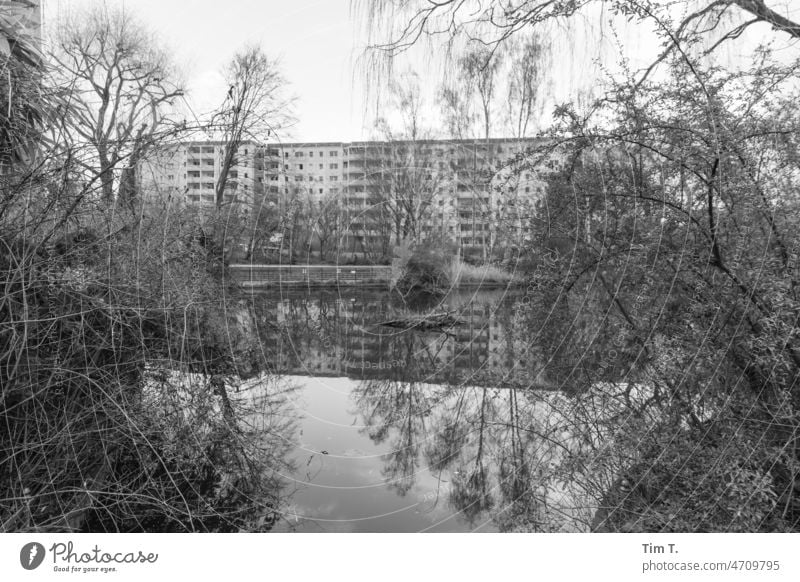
<point>312,275</point>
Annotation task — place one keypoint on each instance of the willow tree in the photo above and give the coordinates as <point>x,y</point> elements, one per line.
<point>397,26</point>
<point>121,85</point>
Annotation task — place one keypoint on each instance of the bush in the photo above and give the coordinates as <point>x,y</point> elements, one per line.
<point>422,270</point>
<point>96,303</point>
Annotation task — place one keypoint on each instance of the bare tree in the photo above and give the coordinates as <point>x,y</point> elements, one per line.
<point>121,84</point>
<point>254,107</point>
<point>525,79</point>
<point>468,98</point>
<point>478,68</point>
<point>296,224</point>
<point>459,119</point>
<point>328,225</point>
<point>406,183</point>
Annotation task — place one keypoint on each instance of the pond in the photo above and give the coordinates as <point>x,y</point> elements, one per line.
<point>409,429</point>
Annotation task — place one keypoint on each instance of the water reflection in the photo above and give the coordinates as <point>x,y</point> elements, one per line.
<point>340,334</point>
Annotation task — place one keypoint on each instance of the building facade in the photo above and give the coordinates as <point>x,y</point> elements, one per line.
<point>474,194</point>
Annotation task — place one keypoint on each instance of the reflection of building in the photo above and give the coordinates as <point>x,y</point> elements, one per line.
<point>473,193</point>
<point>341,336</point>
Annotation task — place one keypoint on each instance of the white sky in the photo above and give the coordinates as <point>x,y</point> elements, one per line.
<point>315,40</point>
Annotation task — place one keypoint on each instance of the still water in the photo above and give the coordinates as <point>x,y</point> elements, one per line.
<point>410,429</point>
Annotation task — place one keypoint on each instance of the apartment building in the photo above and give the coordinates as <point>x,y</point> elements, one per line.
<point>473,193</point>
<point>190,172</point>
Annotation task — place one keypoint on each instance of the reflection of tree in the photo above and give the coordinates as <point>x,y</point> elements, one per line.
<point>514,455</point>
<point>518,502</point>
<point>470,493</point>
<point>404,407</point>
<point>504,451</point>
<point>449,440</point>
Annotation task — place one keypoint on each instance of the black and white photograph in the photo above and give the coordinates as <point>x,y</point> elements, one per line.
<point>398,266</point>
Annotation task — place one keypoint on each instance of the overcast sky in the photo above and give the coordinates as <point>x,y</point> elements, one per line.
<point>315,40</point>
<point>319,45</point>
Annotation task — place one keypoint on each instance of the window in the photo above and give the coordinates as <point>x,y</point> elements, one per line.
<point>208,150</point>
<point>344,164</point>
<point>322,166</point>
<point>319,179</point>
<point>194,150</point>
<point>274,166</point>
<point>333,178</point>
<point>208,162</point>
<point>298,154</point>
<point>233,174</point>
<point>334,166</point>
<point>310,154</point>
<point>286,166</point>
<point>245,151</point>
<point>299,166</point>
<point>208,173</point>
<point>320,190</point>
<point>321,154</point>
<point>194,162</point>
<point>333,154</point>
<point>298,178</point>
<point>195,174</point>
<point>208,185</point>
<point>245,175</point>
